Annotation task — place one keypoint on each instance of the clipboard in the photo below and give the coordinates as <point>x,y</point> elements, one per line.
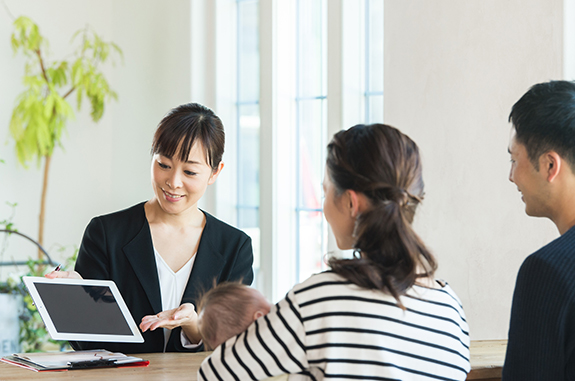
<point>73,360</point>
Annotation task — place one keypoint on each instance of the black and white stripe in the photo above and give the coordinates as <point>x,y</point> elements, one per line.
<point>329,328</point>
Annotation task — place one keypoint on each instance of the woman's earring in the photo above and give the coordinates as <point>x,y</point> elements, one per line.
<point>355,227</point>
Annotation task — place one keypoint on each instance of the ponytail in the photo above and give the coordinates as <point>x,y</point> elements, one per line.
<point>388,254</point>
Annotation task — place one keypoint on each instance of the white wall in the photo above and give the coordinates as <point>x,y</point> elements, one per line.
<point>453,69</point>
<point>105,166</point>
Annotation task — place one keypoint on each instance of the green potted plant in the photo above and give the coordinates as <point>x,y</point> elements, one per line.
<point>42,110</point>
<point>38,120</point>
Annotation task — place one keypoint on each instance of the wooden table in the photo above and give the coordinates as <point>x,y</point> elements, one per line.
<point>487,359</point>
<point>163,366</point>
<point>486,362</point>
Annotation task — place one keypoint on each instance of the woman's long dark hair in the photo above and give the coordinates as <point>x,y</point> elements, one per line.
<point>382,163</point>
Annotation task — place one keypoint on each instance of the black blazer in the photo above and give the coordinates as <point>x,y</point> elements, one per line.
<point>118,247</point>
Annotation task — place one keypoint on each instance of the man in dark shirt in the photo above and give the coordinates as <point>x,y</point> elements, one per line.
<point>542,146</point>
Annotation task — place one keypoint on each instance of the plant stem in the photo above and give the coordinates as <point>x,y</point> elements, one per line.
<point>47,160</point>
<point>42,65</point>
<point>69,92</point>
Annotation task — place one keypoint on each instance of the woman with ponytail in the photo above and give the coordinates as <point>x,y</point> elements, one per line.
<point>378,316</point>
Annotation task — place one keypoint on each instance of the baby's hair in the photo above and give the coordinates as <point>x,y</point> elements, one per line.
<point>222,312</point>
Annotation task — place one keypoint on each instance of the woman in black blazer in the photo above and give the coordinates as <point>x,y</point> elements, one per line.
<point>165,252</point>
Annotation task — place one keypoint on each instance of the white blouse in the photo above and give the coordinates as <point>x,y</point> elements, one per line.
<point>172,287</point>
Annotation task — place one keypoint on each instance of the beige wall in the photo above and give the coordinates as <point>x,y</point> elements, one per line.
<point>105,166</point>
<point>453,69</point>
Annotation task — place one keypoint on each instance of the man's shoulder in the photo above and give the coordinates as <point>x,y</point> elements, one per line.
<point>558,253</point>
<point>550,269</point>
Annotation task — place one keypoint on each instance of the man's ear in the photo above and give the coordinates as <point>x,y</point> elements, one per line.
<point>551,163</point>
<point>215,173</point>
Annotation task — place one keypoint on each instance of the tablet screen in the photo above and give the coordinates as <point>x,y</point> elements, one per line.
<point>83,309</point>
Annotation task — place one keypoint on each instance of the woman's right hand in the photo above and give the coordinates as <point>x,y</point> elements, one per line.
<point>63,274</point>
<point>184,316</point>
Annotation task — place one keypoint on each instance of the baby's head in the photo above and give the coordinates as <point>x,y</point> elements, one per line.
<point>227,310</point>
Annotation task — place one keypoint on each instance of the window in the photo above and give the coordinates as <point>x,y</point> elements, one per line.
<point>310,126</point>
<point>248,123</point>
<point>374,61</point>
<point>285,75</point>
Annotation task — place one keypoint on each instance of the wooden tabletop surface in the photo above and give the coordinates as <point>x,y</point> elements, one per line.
<point>487,359</point>
<point>486,362</point>
<point>163,366</point>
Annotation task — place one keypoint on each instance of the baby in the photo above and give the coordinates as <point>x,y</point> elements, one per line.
<point>227,310</point>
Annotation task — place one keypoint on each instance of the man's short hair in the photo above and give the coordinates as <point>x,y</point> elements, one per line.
<point>544,120</point>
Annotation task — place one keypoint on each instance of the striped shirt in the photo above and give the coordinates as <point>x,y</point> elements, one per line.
<point>329,328</point>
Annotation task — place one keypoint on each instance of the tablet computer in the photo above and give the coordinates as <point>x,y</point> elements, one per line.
<point>83,310</point>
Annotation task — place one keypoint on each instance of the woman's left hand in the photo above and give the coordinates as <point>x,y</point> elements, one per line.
<point>184,316</point>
